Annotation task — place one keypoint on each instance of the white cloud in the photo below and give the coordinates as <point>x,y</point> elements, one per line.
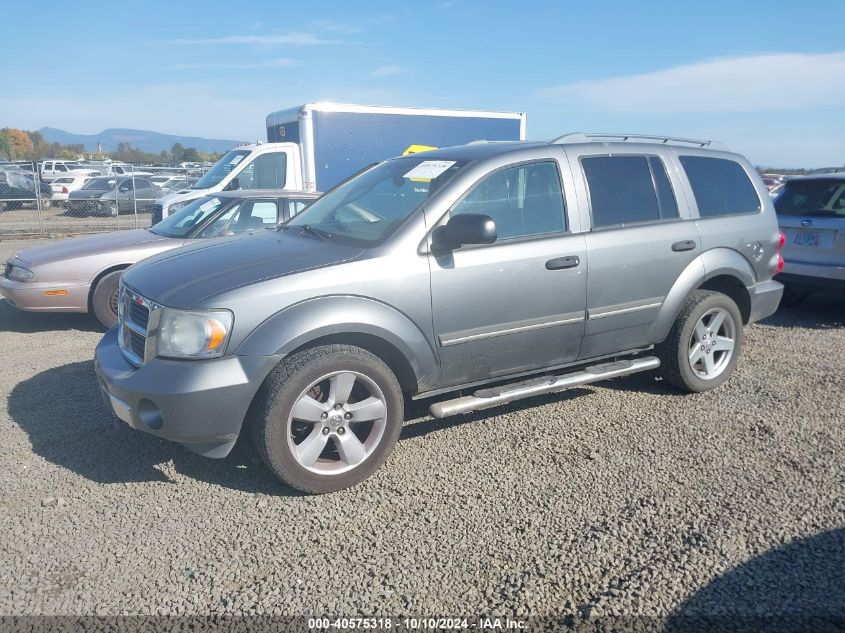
<point>295,39</point>
<point>777,81</point>
<point>336,27</point>
<point>283,62</point>
<point>387,71</point>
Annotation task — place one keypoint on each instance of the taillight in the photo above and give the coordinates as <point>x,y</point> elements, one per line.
<point>781,242</point>
<point>64,190</point>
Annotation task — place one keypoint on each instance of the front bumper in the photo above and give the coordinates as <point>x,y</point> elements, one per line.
<point>29,295</point>
<point>765,299</point>
<point>200,404</point>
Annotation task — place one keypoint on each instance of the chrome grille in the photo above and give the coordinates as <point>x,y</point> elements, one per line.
<point>133,317</point>
<point>139,314</point>
<point>157,213</point>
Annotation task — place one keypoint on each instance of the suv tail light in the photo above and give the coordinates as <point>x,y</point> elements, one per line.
<point>64,190</point>
<point>781,242</point>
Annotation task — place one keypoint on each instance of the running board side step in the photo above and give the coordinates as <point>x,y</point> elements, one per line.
<point>491,397</point>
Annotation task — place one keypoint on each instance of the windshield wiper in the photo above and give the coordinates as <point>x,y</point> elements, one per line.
<point>307,228</point>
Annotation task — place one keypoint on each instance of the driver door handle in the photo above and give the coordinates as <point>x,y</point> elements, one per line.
<point>561,263</point>
<point>683,245</point>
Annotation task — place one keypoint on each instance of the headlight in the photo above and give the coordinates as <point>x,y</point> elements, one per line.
<point>186,334</point>
<point>173,208</point>
<point>18,273</point>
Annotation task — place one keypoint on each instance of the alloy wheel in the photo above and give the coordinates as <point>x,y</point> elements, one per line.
<point>337,423</point>
<point>711,346</point>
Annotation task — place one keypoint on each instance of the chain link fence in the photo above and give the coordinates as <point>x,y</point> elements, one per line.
<point>70,197</point>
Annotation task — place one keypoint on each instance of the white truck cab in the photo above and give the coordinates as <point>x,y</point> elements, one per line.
<point>52,169</point>
<point>249,166</point>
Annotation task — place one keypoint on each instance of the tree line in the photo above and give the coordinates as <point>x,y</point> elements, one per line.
<point>18,144</point>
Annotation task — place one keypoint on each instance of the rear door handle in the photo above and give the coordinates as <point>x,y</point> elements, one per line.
<point>559,263</point>
<point>683,245</point>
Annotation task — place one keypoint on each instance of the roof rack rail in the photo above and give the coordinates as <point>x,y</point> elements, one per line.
<point>581,137</point>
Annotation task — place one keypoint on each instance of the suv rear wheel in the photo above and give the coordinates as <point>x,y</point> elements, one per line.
<point>704,343</point>
<point>327,417</point>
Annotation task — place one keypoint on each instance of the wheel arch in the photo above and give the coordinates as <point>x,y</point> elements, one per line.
<point>720,269</point>
<point>106,271</point>
<point>366,323</point>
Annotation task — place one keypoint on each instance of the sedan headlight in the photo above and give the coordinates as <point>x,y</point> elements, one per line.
<point>188,334</point>
<point>19,273</point>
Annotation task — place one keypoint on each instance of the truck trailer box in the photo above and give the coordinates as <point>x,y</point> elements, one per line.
<point>336,140</point>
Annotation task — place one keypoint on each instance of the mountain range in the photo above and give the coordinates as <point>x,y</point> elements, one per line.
<point>145,140</point>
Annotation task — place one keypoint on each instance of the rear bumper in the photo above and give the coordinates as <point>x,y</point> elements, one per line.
<point>29,295</point>
<point>199,404</point>
<point>765,298</point>
<point>813,274</point>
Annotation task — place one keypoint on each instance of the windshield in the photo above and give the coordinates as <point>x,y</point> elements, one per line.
<point>99,184</point>
<point>186,219</point>
<point>369,207</point>
<point>221,168</point>
<point>820,197</point>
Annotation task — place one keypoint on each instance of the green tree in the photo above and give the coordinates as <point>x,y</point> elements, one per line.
<point>176,152</point>
<point>191,155</point>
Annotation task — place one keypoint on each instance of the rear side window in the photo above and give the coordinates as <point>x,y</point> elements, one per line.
<point>720,186</point>
<point>628,190</point>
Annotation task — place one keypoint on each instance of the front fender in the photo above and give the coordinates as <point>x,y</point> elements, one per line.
<point>312,319</point>
<point>710,264</point>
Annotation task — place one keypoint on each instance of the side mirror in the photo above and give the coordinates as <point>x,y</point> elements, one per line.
<point>465,228</point>
<point>234,185</point>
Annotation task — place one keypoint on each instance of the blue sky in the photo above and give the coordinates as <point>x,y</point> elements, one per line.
<point>767,78</point>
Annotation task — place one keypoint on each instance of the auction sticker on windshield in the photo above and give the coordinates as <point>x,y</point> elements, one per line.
<point>429,169</point>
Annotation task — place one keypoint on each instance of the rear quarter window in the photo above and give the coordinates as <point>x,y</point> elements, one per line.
<point>720,186</point>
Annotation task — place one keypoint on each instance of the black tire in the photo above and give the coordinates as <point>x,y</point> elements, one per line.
<point>268,416</point>
<point>674,352</point>
<point>104,297</point>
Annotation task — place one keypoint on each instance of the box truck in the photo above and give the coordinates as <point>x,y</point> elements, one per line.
<point>314,146</point>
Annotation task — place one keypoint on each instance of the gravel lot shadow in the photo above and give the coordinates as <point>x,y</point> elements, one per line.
<point>818,312</point>
<point>69,425</point>
<point>796,587</point>
<point>14,320</point>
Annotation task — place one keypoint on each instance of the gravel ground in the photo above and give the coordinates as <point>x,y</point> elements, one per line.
<point>622,499</point>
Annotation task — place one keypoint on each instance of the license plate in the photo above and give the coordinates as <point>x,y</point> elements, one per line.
<point>808,238</point>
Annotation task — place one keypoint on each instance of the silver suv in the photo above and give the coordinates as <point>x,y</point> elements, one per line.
<point>811,213</point>
<point>472,276</point>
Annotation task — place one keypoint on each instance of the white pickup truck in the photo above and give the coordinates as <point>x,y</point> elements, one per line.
<point>313,147</point>
<point>52,169</point>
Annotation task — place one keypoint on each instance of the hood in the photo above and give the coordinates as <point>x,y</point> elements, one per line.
<point>88,194</point>
<point>77,247</point>
<point>184,277</point>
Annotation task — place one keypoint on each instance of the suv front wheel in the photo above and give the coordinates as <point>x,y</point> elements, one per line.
<point>327,417</point>
<point>704,343</point>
